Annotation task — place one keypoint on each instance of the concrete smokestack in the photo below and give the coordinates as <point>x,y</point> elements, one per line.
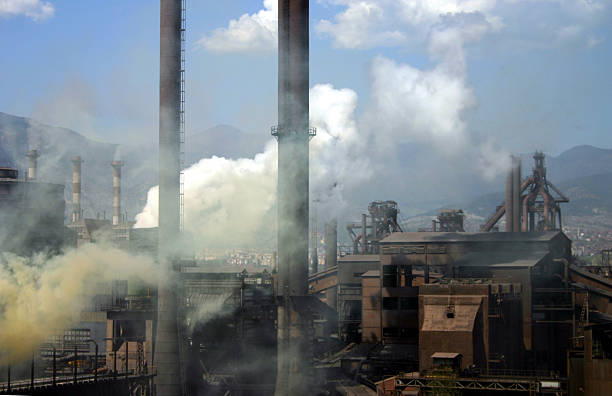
<point>33,157</point>
<point>167,342</point>
<point>331,244</point>
<point>76,188</point>
<point>293,134</point>
<point>117,165</point>
<point>516,194</point>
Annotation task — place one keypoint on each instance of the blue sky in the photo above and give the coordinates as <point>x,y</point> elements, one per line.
<point>537,72</point>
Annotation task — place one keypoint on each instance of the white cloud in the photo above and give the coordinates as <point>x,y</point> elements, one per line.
<point>420,105</point>
<point>249,33</point>
<point>369,23</point>
<point>37,10</point>
<point>356,27</point>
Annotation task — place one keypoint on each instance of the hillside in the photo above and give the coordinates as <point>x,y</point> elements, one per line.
<point>57,146</point>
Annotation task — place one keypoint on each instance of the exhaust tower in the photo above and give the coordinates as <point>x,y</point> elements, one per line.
<point>170,90</point>
<point>293,134</point>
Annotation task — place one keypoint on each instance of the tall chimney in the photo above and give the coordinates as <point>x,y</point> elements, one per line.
<point>117,165</point>
<point>509,198</point>
<point>33,157</point>
<point>516,194</point>
<point>76,188</point>
<point>167,342</point>
<point>293,134</point>
<point>331,244</point>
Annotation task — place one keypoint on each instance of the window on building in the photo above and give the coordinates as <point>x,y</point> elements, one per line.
<point>390,276</point>
<point>410,333</point>
<point>390,303</point>
<point>391,332</point>
<point>409,303</point>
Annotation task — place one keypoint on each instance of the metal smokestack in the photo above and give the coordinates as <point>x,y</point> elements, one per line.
<point>293,134</point>
<point>509,197</point>
<point>331,244</point>
<point>76,188</point>
<point>167,342</point>
<point>516,194</point>
<point>117,165</point>
<point>33,157</point>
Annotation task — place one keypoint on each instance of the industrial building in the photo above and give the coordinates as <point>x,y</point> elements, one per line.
<point>432,312</point>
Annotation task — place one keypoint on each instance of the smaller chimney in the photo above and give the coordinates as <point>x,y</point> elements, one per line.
<point>117,165</point>
<point>331,244</point>
<point>516,194</point>
<point>76,188</point>
<point>33,157</point>
<point>364,237</point>
<point>509,198</point>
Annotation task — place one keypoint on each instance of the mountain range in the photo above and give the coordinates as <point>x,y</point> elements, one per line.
<point>583,173</point>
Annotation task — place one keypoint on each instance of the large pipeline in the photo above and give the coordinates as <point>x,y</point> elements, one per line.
<point>166,356</point>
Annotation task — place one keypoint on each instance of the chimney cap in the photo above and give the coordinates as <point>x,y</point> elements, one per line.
<point>115,164</point>
<point>33,153</point>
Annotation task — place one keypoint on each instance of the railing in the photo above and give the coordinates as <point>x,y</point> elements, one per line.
<point>521,373</point>
<point>65,380</point>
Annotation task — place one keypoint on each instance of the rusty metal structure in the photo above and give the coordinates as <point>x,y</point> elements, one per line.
<point>530,204</point>
<point>383,221</point>
<point>449,220</point>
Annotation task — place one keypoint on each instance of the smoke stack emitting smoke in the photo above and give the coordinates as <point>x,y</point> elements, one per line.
<point>40,297</point>
<point>76,189</point>
<point>117,165</point>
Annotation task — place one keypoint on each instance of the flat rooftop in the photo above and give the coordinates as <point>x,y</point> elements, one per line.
<point>509,259</point>
<point>422,237</point>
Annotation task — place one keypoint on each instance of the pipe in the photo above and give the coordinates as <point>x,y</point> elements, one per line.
<point>33,157</point>
<point>117,165</point>
<point>76,188</point>
<point>293,133</point>
<point>331,244</point>
<point>166,351</point>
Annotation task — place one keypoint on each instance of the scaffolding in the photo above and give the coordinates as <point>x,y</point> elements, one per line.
<point>182,116</point>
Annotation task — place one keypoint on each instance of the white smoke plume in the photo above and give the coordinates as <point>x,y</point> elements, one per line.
<point>42,296</point>
<point>231,203</point>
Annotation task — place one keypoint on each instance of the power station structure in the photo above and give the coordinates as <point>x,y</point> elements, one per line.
<point>530,205</point>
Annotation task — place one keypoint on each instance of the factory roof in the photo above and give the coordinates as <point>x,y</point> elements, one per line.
<point>359,257</point>
<point>502,258</point>
<point>445,355</point>
<point>407,237</point>
<point>371,274</point>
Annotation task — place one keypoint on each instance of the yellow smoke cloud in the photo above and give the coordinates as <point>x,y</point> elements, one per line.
<point>41,296</point>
